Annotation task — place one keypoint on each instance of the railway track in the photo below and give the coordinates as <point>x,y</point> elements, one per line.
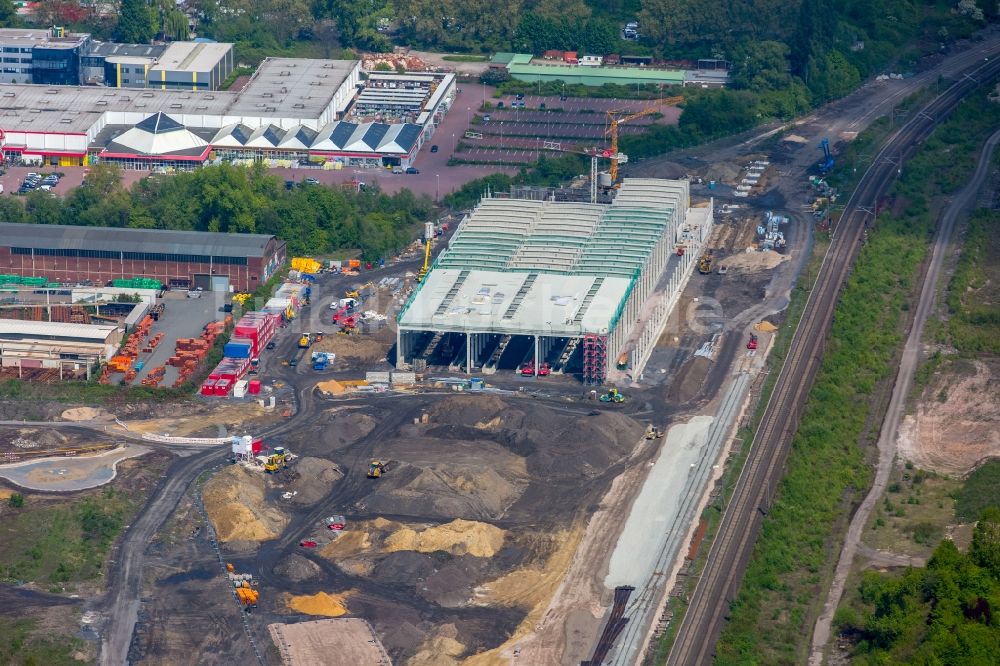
<point>730,552</point>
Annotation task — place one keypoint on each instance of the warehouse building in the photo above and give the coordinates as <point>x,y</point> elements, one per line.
<point>63,349</point>
<point>98,255</point>
<point>292,110</point>
<point>524,283</point>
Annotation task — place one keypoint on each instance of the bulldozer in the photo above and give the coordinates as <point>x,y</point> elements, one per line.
<point>613,395</point>
<point>652,432</point>
<point>377,468</point>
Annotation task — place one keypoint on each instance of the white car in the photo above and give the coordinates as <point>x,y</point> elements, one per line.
<point>195,293</point>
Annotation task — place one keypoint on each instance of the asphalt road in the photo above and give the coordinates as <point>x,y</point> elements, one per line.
<point>723,573</point>
<point>900,390</point>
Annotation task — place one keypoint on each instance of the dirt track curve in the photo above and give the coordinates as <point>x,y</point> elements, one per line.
<point>730,552</point>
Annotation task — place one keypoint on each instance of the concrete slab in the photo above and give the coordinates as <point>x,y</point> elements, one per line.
<point>69,474</point>
<point>658,505</point>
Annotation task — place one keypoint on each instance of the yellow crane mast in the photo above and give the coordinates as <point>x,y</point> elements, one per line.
<point>617,117</point>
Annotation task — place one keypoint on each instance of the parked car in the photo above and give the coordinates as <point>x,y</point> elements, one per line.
<point>270,345</point>
<point>412,170</point>
<point>434,148</point>
<point>397,169</point>
<point>311,181</point>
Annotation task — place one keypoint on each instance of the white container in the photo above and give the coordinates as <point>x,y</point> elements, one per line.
<point>240,388</point>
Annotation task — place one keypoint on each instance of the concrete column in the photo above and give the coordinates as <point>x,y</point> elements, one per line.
<point>400,352</point>
<point>469,341</point>
<point>536,356</point>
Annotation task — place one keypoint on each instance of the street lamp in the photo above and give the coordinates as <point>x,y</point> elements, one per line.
<point>437,187</point>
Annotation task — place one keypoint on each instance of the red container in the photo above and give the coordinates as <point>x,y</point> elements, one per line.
<point>208,388</point>
<point>256,446</point>
<point>222,387</point>
<point>254,387</point>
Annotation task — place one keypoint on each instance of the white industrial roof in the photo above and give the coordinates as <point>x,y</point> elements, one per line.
<point>295,87</point>
<point>15,329</point>
<point>191,56</point>
<point>516,303</point>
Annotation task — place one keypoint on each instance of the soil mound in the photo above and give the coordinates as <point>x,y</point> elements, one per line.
<point>350,347</point>
<point>440,649</point>
<point>321,603</point>
<point>84,414</point>
<point>444,490</point>
<point>458,537</point>
<point>332,386</point>
<point>752,261</point>
<point>297,568</point>
<point>234,501</point>
<point>312,479</point>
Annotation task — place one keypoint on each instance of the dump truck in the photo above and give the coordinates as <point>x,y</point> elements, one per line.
<point>377,468</point>
<point>613,395</point>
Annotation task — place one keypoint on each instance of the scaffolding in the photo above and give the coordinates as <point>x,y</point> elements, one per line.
<point>595,354</point>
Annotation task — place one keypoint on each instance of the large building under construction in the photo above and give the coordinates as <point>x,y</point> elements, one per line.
<point>537,284</point>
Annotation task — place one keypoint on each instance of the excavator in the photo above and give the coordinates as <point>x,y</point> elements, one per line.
<point>613,396</point>
<point>377,468</point>
<point>652,432</point>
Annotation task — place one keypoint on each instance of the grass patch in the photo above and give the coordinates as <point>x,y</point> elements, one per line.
<point>23,642</point>
<point>974,318</point>
<point>980,490</point>
<point>58,545</point>
<point>464,57</point>
<point>826,473</point>
<point>914,513</point>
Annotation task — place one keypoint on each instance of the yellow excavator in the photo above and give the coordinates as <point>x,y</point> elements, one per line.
<point>377,468</point>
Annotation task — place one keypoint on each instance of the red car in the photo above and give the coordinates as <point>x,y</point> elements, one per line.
<point>335,526</point>
<point>544,370</point>
<point>753,342</point>
<point>308,544</point>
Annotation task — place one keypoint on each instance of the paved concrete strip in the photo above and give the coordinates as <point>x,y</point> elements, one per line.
<point>897,404</point>
<point>664,514</point>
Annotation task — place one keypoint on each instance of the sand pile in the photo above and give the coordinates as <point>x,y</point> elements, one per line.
<point>84,414</point>
<point>353,347</point>
<point>765,327</point>
<point>312,479</point>
<point>439,649</point>
<point>459,537</point>
<point>234,501</point>
<point>333,387</point>
<point>754,260</point>
<point>321,603</point>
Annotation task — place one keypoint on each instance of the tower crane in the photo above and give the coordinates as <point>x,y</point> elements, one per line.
<point>617,117</point>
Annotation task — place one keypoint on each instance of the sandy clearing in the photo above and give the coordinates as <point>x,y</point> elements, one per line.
<point>62,474</point>
<point>327,642</point>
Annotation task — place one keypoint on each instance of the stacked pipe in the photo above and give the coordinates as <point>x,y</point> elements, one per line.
<point>616,622</point>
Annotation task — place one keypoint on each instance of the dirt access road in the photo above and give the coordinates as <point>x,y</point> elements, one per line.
<point>901,389</point>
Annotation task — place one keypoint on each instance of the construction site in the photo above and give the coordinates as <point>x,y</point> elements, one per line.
<point>548,286</point>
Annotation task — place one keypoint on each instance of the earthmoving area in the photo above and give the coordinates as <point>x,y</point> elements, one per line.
<point>467,532</point>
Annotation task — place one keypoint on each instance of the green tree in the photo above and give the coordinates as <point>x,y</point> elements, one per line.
<point>135,22</point>
<point>8,14</point>
<point>985,548</point>
<point>15,501</point>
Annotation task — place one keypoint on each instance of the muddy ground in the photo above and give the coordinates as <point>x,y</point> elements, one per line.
<point>489,487</point>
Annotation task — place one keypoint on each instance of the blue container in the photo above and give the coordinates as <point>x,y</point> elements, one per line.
<point>237,349</point>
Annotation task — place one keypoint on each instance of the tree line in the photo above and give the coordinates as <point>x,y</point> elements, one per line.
<point>310,219</point>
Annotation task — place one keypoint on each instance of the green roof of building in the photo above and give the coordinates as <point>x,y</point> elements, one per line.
<point>594,75</point>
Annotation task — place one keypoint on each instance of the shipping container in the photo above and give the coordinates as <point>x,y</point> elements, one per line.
<point>240,389</point>
<point>254,386</point>
<point>208,387</point>
<point>222,387</point>
<point>239,348</point>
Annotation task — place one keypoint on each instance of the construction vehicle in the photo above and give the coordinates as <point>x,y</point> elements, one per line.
<point>616,118</point>
<point>680,250</point>
<point>613,396</point>
<point>622,362</point>
<point>827,162</point>
<point>428,242</point>
<point>705,263</point>
<point>652,432</point>
<point>753,341</point>
<point>377,468</point>
<point>277,460</point>
<point>305,341</point>
<point>352,294</point>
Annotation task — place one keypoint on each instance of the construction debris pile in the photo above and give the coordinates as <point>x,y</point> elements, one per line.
<point>770,235</point>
